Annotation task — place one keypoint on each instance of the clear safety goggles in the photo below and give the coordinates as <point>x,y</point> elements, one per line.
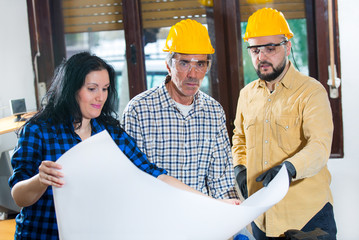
<point>201,66</point>
<point>267,49</point>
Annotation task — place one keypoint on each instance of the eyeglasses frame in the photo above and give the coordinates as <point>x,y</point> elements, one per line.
<point>209,63</point>
<point>268,45</point>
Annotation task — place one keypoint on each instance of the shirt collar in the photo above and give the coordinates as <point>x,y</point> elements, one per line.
<point>96,127</point>
<point>287,80</point>
<point>166,100</point>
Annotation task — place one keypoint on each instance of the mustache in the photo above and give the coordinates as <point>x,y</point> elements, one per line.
<point>264,62</point>
<point>192,80</point>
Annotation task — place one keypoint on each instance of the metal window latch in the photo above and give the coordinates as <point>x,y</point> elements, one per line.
<point>333,85</point>
<point>133,54</point>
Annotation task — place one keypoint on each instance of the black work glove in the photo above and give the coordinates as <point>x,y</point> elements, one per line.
<point>240,172</point>
<point>267,176</point>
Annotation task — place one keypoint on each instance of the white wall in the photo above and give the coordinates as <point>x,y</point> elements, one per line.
<point>15,62</point>
<point>345,177</point>
<point>17,81</point>
<point>17,76</point>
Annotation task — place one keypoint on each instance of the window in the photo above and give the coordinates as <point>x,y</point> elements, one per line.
<point>135,20</point>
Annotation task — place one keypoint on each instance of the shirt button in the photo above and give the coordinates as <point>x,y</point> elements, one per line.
<point>286,127</point>
<point>266,141</point>
<point>267,121</point>
<point>265,162</point>
<point>269,99</point>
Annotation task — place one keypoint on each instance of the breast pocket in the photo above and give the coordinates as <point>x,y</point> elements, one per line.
<point>288,133</point>
<point>250,132</point>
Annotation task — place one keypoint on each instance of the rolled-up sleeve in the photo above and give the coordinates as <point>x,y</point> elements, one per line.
<point>27,155</point>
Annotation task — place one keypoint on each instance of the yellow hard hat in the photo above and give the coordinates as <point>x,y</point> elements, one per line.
<point>188,37</point>
<point>267,22</point>
<point>206,3</point>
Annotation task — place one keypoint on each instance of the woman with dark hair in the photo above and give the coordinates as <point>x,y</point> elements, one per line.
<point>79,104</point>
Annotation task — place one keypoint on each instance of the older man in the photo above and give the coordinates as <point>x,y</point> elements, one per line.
<point>180,128</point>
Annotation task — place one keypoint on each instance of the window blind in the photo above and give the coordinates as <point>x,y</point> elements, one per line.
<point>105,15</point>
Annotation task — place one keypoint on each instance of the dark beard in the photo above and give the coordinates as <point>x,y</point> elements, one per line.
<point>271,76</point>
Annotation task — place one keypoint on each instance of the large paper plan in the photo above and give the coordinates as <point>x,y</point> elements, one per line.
<point>106,196</point>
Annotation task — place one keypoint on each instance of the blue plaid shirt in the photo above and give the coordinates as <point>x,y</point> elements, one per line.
<point>194,148</point>
<point>44,141</point>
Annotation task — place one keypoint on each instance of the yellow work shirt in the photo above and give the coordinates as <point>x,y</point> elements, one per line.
<point>293,123</point>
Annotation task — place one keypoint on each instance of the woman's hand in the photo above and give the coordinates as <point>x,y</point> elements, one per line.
<point>29,191</point>
<point>49,174</point>
<point>231,201</point>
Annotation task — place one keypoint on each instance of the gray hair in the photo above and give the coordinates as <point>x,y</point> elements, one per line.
<point>169,58</point>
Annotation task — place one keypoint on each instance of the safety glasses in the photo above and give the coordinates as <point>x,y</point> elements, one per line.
<point>201,66</point>
<point>267,49</point>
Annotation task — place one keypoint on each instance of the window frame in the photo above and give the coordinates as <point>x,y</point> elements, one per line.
<point>48,50</point>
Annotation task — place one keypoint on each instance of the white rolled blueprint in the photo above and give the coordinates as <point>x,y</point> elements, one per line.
<point>106,196</point>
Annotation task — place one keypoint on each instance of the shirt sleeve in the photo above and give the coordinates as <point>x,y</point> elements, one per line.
<point>27,155</point>
<point>131,124</point>
<point>130,149</point>
<point>221,176</point>
<point>318,133</point>
<point>239,149</point>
